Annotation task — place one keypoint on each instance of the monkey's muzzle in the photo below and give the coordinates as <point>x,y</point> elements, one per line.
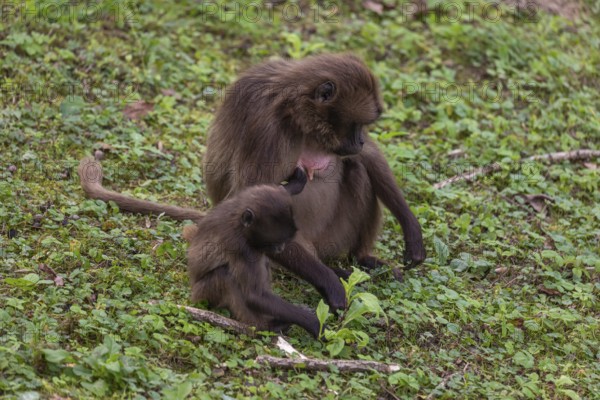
<point>278,248</point>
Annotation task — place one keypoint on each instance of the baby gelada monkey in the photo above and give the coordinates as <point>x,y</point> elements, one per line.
<point>227,256</point>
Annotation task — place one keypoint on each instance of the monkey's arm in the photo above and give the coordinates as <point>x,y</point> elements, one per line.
<point>385,187</point>
<point>273,305</point>
<point>90,176</point>
<point>298,260</point>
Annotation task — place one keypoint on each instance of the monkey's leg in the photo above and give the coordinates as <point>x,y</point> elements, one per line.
<point>298,260</point>
<point>270,304</point>
<point>359,190</point>
<point>221,290</point>
<point>385,187</point>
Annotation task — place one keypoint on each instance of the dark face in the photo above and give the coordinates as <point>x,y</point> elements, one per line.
<point>345,109</point>
<point>268,230</point>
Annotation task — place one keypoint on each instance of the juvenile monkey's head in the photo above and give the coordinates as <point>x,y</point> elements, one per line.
<point>267,220</point>
<point>337,97</point>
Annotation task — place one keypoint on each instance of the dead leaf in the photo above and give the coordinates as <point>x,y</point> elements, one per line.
<point>377,8</point>
<point>171,93</point>
<point>537,201</point>
<point>58,280</point>
<point>138,110</point>
<point>549,292</point>
<point>156,244</point>
<point>456,153</point>
<point>218,372</point>
<point>160,146</point>
<point>47,269</point>
<point>104,147</point>
<point>590,165</point>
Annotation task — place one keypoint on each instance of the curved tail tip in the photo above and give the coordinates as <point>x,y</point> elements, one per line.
<point>189,231</point>
<point>90,172</point>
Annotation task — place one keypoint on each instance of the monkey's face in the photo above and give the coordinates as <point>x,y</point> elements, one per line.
<point>340,100</point>
<point>347,112</point>
<point>268,229</point>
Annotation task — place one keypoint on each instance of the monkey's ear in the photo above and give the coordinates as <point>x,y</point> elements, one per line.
<point>295,183</point>
<point>247,217</point>
<point>325,92</point>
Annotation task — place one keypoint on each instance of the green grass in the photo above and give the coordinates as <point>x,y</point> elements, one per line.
<point>505,307</point>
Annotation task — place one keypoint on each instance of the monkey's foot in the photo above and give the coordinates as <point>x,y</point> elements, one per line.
<point>413,255</point>
<point>370,262</point>
<point>334,294</point>
<point>278,326</point>
<point>342,273</point>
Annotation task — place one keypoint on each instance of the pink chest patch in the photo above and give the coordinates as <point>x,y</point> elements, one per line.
<point>314,160</point>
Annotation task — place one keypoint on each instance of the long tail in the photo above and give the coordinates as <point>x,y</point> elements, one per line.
<point>90,176</point>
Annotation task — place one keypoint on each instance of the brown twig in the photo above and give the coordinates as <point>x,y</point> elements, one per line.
<point>552,157</point>
<point>216,319</point>
<point>313,364</point>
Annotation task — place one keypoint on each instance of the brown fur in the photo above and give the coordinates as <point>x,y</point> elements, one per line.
<point>272,117</point>
<point>226,262</point>
<point>275,116</point>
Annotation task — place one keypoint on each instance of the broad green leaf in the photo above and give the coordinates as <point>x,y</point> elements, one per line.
<point>441,250</point>
<point>335,347</point>
<point>570,394</point>
<point>322,314</point>
<point>98,388</point>
<point>56,356</point>
<point>524,359</point>
<point>371,303</point>
<point>356,310</point>
<point>563,381</point>
<point>178,392</point>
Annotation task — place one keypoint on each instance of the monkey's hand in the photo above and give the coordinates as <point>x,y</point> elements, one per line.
<point>296,182</point>
<point>369,262</point>
<point>342,273</point>
<point>335,295</point>
<point>300,261</point>
<point>414,254</point>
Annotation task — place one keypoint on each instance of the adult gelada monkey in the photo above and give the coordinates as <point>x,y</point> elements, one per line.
<point>312,112</point>
<point>227,265</point>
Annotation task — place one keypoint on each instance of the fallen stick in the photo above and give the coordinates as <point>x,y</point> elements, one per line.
<point>216,319</point>
<point>566,155</point>
<point>313,364</point>
<point>300,360</point>
<point>219,320</point>
<point>552,157</point>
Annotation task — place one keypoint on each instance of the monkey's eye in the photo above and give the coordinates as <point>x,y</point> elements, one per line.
<point>325,91</point>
